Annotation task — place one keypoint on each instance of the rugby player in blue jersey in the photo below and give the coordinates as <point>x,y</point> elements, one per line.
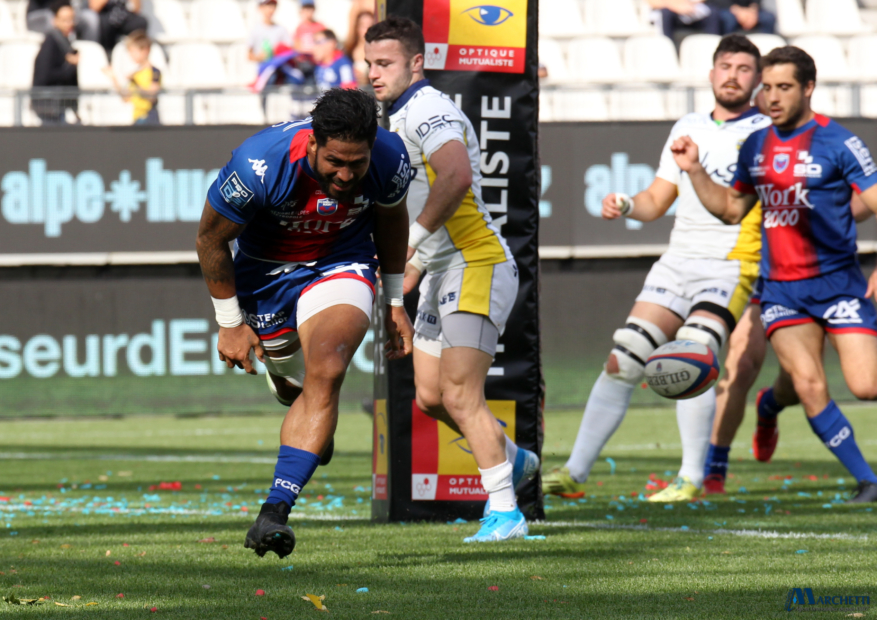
<point>804,169</point>
<point>308,206</point>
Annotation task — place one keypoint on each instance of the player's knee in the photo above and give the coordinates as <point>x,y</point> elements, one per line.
<point>634,343</point>
<point>865,391</point>
<point>328,371</point>
<point>429,400</point>
<point>743,371</point>
<point>459,402</point>
<point>704,330</point>
<point>810,388</point>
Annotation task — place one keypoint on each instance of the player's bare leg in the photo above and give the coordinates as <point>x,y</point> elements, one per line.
<point>799,349</point>
<point>648,326</point>
<point>747,347</point>
<point>328,340</point>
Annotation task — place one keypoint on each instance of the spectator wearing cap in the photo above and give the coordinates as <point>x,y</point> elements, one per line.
<point>40,18</point>
<point>117,20</point>
<point>266,36</point>
<point>743,15</point>
<point>333,68</point>
<point>308,27</point>
<point>55,65</point>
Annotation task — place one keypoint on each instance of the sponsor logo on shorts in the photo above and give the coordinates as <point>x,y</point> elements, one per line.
<point>264,321</point>
<point>844,312</point>
<point>286,484</point>
<point>431,319</point>
<point>775,313</point>
<point>448,298</point>
<point>235,192</point>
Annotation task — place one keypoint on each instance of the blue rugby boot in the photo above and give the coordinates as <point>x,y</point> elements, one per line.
<point>525,467</point>
<point>501,526</point>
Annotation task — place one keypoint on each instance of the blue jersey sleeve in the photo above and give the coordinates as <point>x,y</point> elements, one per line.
<point>393,168</point>
<point>742,180</point>
<point>857,165</point>
<point>239,190</point>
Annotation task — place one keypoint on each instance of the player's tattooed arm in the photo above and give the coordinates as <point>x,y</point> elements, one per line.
<point>214,235</point>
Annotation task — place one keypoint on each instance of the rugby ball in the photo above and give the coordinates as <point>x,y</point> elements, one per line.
<point>682,369</point>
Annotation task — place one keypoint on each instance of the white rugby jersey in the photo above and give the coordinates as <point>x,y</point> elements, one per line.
<point>427,119</point>
<point>697,233</point>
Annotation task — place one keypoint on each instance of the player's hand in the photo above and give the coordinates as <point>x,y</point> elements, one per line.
<point>611,211</point>
<point>412,277</point>
<point>872,286</point>
<point>400,333</point>
<point>686,153</point>
<point>235,344</point>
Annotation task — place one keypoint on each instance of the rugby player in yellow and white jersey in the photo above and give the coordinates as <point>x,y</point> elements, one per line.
<point>698,290</point>
<point>472,280</point>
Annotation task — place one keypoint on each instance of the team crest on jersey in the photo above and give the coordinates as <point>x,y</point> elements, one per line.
<point>781,162</point>
<point>327,206</point>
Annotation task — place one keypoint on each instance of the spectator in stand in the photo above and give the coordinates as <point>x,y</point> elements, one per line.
<point>143,84</point>
<point>117,20</point>
<point>303,39</point>
<point>694,14</point>
<point>355,46</point>
<point>333,68</point>
<point>55,65</point>
<point>266,36</point>
<point>40,18</point>
<point>745,15</point>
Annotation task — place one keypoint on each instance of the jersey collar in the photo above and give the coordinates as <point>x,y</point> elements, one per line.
<point>788,135</point>
<point>753,111</point>
<point>407,95</point>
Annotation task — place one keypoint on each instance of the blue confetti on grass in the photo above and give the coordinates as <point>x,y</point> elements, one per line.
<point>801,551</point>
<point>684,528</point>
<point>290,567</point>
<point>536,537</point>
<point>668,506</point>
<point>13,533</point>
<point>362,590</point>
<point>826,505</point>
<point>611,466</point>
<point>610,517</point>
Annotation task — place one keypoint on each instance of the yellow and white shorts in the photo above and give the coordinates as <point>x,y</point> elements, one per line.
<point>489,291</point>
<point>682,284</point>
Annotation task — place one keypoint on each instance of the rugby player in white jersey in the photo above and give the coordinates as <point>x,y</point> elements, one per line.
<point>699,290</point>
<point>472,280</point>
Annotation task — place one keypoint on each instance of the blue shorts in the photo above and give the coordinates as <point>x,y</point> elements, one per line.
<point>835,300</point>
<point>269,293</point>
<point>757,291</point>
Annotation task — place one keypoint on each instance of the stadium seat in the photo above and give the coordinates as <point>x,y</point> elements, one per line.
<point>679,100</point>
<point>579,105</point>
<point>7,22</point>
<point>231,109</point>
<point>335,15</point>
<point>766,42</point>
<point>241,71</point>
<point>16,64</point>
<point>613,18</point>
<point>696,56</point>
<point>637,103</point>
<point>124,66</point>
<point>195,65</point>
<point>7,110</point>
<point>561,19</point>
<point>838,17</point>
<point>92,60</point>
<point>862,52</point>
<point>827,51</point>
<point>595,59</point>
<point>790,18</point>
<point>868,102</point>
<point>168,23</point>
<point>551,56</point>
<point>546,106</point>
<point>651,58</point>
<point>108,109</point>
<point>219,21</point>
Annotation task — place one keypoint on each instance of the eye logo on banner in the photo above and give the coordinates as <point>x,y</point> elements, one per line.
<point>471,35</point>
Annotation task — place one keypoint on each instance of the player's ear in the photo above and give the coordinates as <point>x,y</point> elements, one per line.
<point>417,63</point>
<point>312,145</point>
<point>809,88</point>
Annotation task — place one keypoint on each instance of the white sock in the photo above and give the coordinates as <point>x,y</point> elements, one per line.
<point>511,450</point>
<point>497,481</point>
<point>695,419</point>
<point>605,410</point>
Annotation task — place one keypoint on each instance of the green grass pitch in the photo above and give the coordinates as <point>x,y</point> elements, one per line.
<point>78,519</point>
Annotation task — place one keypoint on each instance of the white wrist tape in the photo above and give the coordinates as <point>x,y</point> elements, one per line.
<point>393,288</point>
<point>417,234</point>
<point>228,311</point>
<point>624,204</point>
<point>416,262</point>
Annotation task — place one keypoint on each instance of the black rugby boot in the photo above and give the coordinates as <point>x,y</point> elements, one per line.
<point>865,492</point>
<point>270,531</point>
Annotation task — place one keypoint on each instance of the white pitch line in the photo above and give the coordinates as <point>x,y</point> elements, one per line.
<point>679,530</point>
<point>156,458</point>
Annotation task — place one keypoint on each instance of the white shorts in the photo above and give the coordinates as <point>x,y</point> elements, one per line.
<point>679,284</point>
<point>489,291</point>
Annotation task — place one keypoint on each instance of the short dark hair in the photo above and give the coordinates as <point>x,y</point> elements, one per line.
<point>345,114</point>
<point>805,67</point>
<point>400,29</point>
<point>737,44</point>
<point>328,34</point>
<point>57,5</point>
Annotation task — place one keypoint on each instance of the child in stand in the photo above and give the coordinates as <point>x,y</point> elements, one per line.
<point>143,84</point>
